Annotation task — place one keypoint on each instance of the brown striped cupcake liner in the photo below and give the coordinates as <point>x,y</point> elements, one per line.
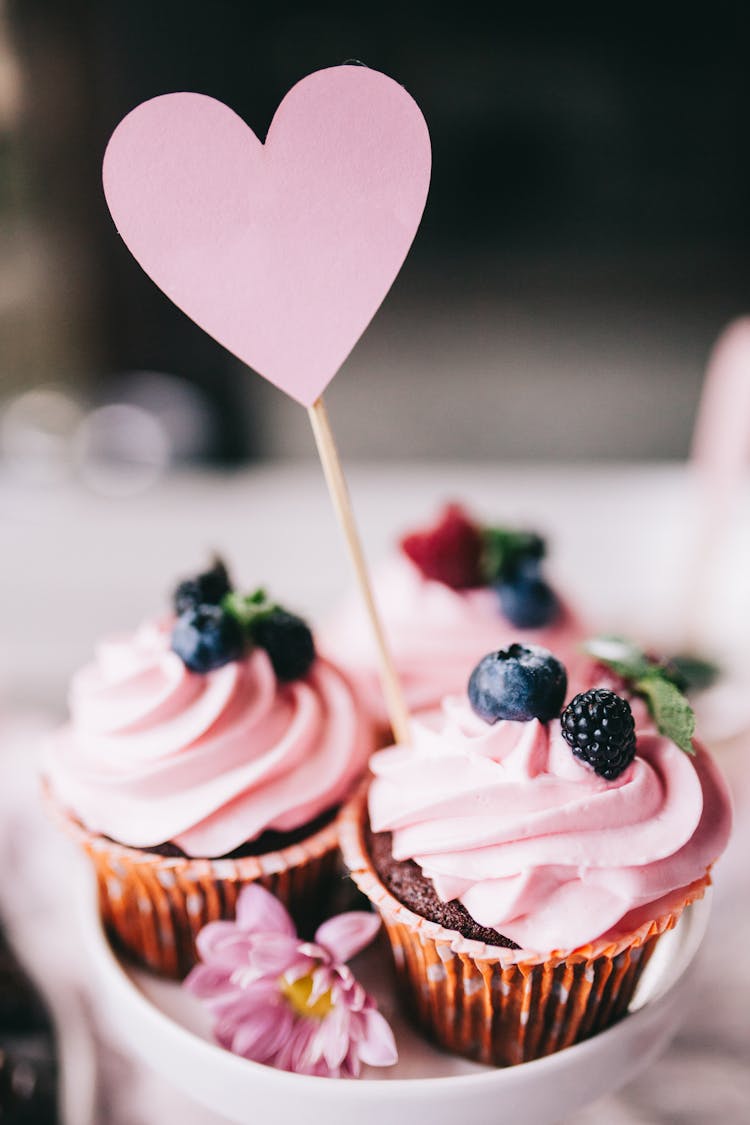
<point>153,906</point>
<point>503,1006</point>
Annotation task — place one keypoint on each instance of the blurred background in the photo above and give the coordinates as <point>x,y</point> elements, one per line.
<point>541,356</point>
<point>585,238</point>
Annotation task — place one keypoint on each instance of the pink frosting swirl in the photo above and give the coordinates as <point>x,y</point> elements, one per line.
<point>155,753</point>
<point>437,635</point>
<point>534,843</point>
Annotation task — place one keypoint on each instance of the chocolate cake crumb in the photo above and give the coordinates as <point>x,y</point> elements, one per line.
<point>405,881</point>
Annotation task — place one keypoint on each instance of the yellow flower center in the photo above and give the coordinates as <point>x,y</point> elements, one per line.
<point>298,995</point>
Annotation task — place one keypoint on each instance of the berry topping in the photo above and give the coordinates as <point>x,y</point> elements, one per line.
<point>528,602</point>
<point>450,552</point>
<point>598,726</point>
<point>207,637</point>
<point>522,682</point>
<point>651,679</point>
<point>216,624</point>
<point>508,554</point>
<point>287,640</point>
<point>205,589</point>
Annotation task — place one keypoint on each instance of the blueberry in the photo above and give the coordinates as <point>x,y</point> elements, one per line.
<point>287,640</point>
<point>207,588</point>
<point>528,602</point>
<point>206,638</point>
<point>521,682</point>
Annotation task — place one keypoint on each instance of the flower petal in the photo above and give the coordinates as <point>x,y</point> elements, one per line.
<point>245,998</point>
<point>208,981</point>
<point>252,1028</point>
<point>351,1067</point>
<point>300,967</point>
<point>345,934</point>
<point>356,997</point>
<point>304,1056</point>
<point>259,912</point>
<point>321,983</point>
<point>310,949</point>
<point>223,943</point>
<point>273,954</point>
<point>232,1012</point>
<point>214,933</point>
<point>345,976</point>
<point>377,1047</point>
<point>283,1030</point>
<point>321,1070</point>
<point>334,1035</point>
<point>262,1034</point>
<point>294,1053</point>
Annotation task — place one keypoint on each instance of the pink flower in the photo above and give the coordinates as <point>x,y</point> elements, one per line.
<point>288,1003</point>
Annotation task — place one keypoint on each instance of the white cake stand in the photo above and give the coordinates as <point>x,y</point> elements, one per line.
<point>169,1030</point>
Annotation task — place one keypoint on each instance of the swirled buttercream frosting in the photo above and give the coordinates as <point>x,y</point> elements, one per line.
<point>436,636</point>
<point>531,841</point>
<point>154,753</point>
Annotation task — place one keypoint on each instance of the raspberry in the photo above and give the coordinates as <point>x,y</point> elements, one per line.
<point>450,552</point>
<point>598,725</point>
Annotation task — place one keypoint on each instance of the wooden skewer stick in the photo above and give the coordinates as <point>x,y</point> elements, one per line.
<point>334,474</point>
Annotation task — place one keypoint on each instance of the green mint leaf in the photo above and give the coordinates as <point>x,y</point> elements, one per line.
<point>503,549</point>
<point>670,710</point>
<point>247,609</point>
<point>658,683</point>
<point>623,657</point>
<point>687,673</point>
<point>691,673</point>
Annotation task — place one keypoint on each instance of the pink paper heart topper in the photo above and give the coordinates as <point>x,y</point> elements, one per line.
<point>281,251</point>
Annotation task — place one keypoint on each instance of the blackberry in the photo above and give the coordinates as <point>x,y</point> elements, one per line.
<point>598,726</point>
<point>207,588</point>
<point>207,638</point>
<point>287,640</point>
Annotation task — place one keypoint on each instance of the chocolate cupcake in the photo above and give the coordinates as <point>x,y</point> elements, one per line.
<point>207,750</point>
<point>526,868</point>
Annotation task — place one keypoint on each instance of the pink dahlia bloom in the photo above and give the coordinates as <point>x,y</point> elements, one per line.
<point>288,1003</point>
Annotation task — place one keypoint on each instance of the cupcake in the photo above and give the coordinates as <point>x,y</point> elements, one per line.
<point>452,593</point>
<point>207,750</point>
<point>524,865</point>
